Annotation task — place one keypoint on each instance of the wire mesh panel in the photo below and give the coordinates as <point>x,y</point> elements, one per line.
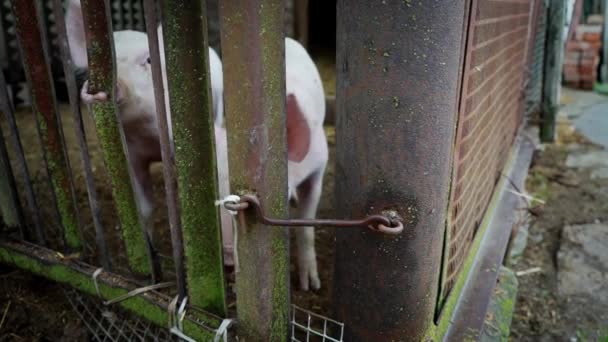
<point>489,116</point>
<point>308,326</point>
<point>534,86</point>
<point>112,324</point>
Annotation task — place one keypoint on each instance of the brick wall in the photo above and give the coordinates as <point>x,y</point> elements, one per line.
<point>582,56</point>
<point>490,112</point>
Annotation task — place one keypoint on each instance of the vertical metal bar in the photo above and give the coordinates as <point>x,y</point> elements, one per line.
<point>10,206</point>
<point>102,77</point>
<point>604,68</point>
<point>73,95</point>
<point>253,49</point>
<point>398,69</point>
<point>187,56</point>
<point>170,177</point>
<point>554,55</point>
<point>7,109</point>
<point>38,74</point>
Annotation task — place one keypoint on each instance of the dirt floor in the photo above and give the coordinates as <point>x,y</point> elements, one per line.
<point>571,197</point>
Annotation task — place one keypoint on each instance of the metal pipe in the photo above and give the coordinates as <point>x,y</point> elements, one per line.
<point>187,56</point>
<point>170,177</point>
<point>38,74</point>
<point>73,95</point>
<point>398,69</point>
<point>102,77</point>
<point>7,109</point>
<point>253,49</point>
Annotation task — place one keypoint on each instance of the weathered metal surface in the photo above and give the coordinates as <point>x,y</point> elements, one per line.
<point>10,207</point>
<point>397,92</point>
<point>6,108</point>
<point>170,177</point>
<point>36,65</point>
<point>151,305</point>
<point>187,56</point>
<point>73,95</point>
<point>102,77</point>
<point>554,55</point>
<point>384,223</point>
<point>470,310</point>
<point>253,50</point>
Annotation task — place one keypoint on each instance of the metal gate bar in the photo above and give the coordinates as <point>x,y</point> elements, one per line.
<point>102,77</point>
<point>74,99</point>
<point>38,74</point>
<point>187,56</point>
<point>253,50</point>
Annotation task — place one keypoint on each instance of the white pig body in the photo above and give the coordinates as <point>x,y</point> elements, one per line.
<point>307,145</point>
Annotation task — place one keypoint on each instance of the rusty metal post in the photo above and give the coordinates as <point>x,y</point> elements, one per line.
<point>6,109</point>
<point>38,74</point>
<point>10,207</point>
<point>253,50</point>
<point>102,77</point>
<point>187,56</point>
<point>170,177</point>
<point>397,70</point>
<point>73,95</point>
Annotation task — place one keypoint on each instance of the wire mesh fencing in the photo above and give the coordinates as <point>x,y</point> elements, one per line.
<point>307,326</point>
<point>113,324</point>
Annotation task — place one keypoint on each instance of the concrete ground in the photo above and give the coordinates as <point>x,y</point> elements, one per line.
<point>561,258</point>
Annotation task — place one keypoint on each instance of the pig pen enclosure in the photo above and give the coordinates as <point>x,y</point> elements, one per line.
<point>425,133</point>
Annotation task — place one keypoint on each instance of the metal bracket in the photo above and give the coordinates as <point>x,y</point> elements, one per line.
<point>388,223</point>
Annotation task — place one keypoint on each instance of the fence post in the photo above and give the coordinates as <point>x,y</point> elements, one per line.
<point>187,56</point>
<point>38,74</point>
<point>253,49</point>
<point>102,75</point>
<point>554,55</point>
<point>397,92</point>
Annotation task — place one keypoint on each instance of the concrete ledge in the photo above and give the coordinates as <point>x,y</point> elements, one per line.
<point>500,311</point>
<point>466,322</point>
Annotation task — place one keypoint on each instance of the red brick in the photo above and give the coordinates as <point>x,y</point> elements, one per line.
<point>576,45</point>
<point>589,53</point>
<point>592,37</point>
<point>591,62</point>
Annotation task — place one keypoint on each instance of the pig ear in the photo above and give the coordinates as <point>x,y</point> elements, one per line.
<point>76,38</point>
<point>298,131</point>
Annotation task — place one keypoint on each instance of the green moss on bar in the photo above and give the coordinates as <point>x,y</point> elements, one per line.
<point>102,76</point>
<point>38,75</point>
<point>185,37</point>
<point>117,167</point>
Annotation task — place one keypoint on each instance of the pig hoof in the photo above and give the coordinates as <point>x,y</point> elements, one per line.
<point>309,278</point>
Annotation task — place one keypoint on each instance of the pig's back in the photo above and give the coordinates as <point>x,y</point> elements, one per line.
<point>303,80</point>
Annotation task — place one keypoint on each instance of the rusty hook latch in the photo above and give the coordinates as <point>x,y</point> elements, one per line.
<point>378,223</point>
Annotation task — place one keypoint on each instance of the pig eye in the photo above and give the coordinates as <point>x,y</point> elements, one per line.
<point>148,61</point>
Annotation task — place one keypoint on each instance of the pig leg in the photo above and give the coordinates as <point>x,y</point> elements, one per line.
<point>309,194</point>
<point>142,185</point>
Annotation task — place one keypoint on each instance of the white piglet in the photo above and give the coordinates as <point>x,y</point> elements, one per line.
<point>307,144</point>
